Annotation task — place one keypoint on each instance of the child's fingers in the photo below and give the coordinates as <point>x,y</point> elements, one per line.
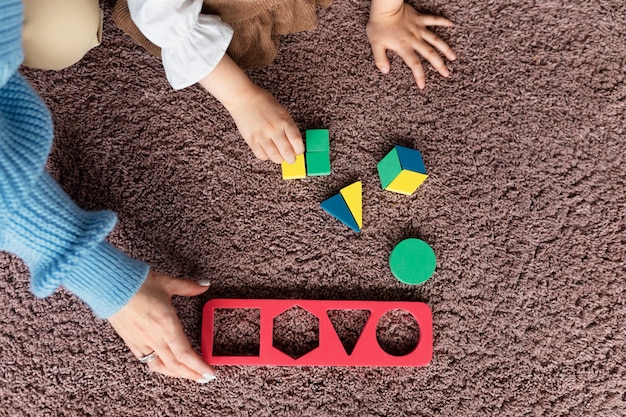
<point>295,138</point>
<point>270,149</point>
<point>284,147</point>
<point>258,151</point>
<point>433,57</point>
<point>380,58</point>
<point>428,20</point>
<point>414,63</point>
<point>438,43</point>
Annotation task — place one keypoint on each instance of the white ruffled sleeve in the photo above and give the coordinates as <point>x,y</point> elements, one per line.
<point>192,44</point>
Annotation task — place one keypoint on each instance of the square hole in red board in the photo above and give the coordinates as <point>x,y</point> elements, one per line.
<point>237,332</point>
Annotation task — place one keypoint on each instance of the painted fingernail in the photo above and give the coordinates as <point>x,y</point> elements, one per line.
<point>209,377</point>
<point>384,70</point>
<point>204,282</point>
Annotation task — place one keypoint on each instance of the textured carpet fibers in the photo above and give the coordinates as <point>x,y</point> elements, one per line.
<point>525,208</point>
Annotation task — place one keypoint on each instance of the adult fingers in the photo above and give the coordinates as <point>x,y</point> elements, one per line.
<point>184,353</point>
<point>380,58</point>
<point>186,287</point>
<point>138,352</point>
<point>167,363</point>
<point>177,355</point>
<point>156,364</point>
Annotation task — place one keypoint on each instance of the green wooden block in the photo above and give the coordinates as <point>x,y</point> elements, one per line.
<point>317,140</point>
<point>412,261</point>
<point>389,168</point>
<point>402,170</point>
<point>317,163</point>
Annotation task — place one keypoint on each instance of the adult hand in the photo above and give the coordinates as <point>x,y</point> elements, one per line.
<point>149,323</point>
<point>403,30</point>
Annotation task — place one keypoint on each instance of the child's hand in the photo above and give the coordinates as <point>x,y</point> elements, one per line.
<point>267,127</point>
<point>403,30</point>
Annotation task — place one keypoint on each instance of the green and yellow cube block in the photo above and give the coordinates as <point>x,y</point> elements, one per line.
<point>315,161</point>
<point>402,170</point>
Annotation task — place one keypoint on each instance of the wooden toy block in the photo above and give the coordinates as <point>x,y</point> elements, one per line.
<point>353,195</point>
<point>406,182</point>
<point>389,167</point>
<point>402,170</point>
<point>412,261</point>
<point>410,159</point>
<point>295,170</point>
<point>337,207</point>
<point>317,152</point>
<point>317,163</point>
<point>317,140</point>
<point>329,351</point>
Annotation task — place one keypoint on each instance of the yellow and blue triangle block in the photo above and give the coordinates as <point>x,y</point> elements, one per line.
<point>347,206</point>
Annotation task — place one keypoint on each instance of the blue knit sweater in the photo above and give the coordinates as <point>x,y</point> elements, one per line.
<point>60,243</point>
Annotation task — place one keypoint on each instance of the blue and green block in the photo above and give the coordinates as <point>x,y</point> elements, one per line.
<point>402,170</point>
<point>347,206</point>
<point>315,161</point>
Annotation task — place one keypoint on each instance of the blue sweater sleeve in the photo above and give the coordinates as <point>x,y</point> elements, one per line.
<point>60,243</point>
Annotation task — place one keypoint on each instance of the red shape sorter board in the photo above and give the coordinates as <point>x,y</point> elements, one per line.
<point>330,351</point>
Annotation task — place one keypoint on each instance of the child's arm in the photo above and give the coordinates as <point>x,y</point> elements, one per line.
<point>264,124</point>
<point>193,49</point>
<point>395,25</point>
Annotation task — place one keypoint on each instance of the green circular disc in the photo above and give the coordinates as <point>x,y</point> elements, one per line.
<point>412,261</point>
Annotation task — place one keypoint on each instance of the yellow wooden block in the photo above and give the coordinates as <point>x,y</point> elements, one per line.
<point>353,196</point>
<point>295,170</point>
<point>406,182</point>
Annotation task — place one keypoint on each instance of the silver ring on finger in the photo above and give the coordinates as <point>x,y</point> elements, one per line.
<point>148,358</point>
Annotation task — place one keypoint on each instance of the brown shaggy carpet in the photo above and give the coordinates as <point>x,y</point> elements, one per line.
<point>525,208</point>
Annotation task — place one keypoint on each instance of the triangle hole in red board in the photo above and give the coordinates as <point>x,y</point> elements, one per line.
<point>348,325</point>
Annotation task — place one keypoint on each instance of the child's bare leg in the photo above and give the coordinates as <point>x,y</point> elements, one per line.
<point>58,33</point>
